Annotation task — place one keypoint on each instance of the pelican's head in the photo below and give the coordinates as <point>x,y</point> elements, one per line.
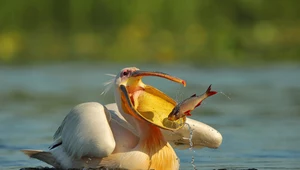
<point>143,101</point>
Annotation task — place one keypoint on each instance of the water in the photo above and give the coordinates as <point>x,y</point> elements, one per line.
<point>260,124</point>
<point>191,146</point>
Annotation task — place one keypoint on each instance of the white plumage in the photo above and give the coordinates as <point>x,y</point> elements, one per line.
<point>93,135</point>
<point>86,131</point>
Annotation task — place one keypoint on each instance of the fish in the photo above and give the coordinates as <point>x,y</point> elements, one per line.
<point>185,107</point>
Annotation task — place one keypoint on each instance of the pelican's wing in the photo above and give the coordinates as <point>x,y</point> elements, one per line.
<point>203,135</point>
<point>85,131</point>
<point>117,116</point>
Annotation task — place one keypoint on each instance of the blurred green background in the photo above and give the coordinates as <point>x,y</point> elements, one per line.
<point>54,55</point>
<point>206,32</point>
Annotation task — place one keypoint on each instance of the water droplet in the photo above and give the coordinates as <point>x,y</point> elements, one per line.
<point>179,94</point>
<point>225,95</point>
<point>191,145</point>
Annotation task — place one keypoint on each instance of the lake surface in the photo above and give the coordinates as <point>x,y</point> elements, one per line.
<point>260,123</point>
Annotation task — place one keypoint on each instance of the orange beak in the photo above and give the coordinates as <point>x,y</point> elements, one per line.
<point>146,102</point>
<point>139,73</point>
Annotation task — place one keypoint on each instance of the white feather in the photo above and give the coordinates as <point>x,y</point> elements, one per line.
<point>112,75</point>
<point>108,84</point>
<point>86,131</point>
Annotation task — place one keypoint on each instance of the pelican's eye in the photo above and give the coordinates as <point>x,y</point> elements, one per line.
<point>125,73</point>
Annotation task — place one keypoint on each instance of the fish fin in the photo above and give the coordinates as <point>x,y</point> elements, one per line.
<point>194,95</point>
<point>209,92</point>
<point>198,104</point>
<point>188,113</point>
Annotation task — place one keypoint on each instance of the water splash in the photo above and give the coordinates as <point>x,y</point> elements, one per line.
<point>88,160</point>
<point>191,146</point>
<point>225,95</point>
<point>179,94</point>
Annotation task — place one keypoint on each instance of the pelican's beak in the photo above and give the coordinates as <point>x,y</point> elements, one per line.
<point>146,102</point>
<point>140,73</point>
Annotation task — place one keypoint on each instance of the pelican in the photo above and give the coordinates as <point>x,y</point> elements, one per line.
<point>133,133</point>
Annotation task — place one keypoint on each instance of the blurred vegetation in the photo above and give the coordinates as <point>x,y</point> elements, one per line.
<point>234,32</point>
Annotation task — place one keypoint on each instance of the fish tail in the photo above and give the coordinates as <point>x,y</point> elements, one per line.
<point>209,92</point>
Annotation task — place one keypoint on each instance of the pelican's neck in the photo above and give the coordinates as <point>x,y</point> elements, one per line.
<point>147,130</point>
<point>127,117</point>
<point>153,143</point>
<point>143,128</point>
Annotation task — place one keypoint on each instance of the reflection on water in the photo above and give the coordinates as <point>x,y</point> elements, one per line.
<point>259,124</point>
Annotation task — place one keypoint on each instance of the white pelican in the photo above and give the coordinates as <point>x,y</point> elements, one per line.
<point>132,133</point>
